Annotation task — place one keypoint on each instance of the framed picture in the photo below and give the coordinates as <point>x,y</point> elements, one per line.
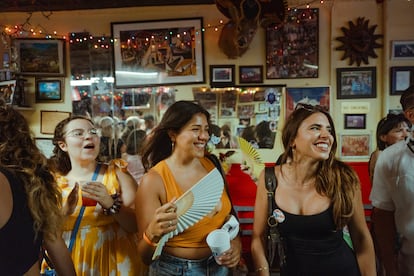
<point>158,52</point>
<point>251,74</point>
<point>46,146</point>
<point>402,49</point>
<point>286,57</point>
<point>48,90</point>
<point>222,75</point>
<point>355,145</point>
<point>355,121</point>
<point>356,83</point>
<point>401,78</point>
<point>7,90</point>
<point>40,57</point>
<point>309,95</point>
<point>49,120</point>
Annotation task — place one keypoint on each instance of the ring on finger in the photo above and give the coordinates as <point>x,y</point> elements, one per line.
<point>171,223</point>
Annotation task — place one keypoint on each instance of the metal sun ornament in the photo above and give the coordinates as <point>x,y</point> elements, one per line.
<point>359,41</point>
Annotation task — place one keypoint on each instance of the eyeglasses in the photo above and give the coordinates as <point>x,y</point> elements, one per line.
<point>311,108</point>
<point>81,133</point>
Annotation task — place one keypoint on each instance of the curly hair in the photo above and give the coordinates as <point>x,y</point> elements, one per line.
<point>334,178</point>
<point>20,155</point>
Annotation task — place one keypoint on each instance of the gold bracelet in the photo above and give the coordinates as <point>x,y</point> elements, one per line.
<point>262,268</point>
<point>148,241</point>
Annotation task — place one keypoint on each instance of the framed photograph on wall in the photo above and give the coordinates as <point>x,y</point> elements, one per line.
<point>49,90</point>
<point>251,74</point>
<point>286,57</point>
<point>355,121</point>
<point>355,145</point>
<point>222,75</point>
<point>308,95</point>
<point>401,78</point>
<point>7,90</point>
<point>40,57</point>
<point>402,49</point>
<point>356,83</point>
<point>158,52</point>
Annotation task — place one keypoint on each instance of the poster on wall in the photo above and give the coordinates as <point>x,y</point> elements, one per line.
<point>307,95</point>
<point>292,50</point>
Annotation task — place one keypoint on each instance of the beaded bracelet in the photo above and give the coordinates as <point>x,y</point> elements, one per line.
<point>114,209</point>
<point>262,268</point>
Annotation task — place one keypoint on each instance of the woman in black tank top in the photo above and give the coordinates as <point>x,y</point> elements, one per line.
<point>316,197</point>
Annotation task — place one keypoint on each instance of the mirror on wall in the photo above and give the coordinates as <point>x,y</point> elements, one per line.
<point>116,111</point>
<point>250,112</point>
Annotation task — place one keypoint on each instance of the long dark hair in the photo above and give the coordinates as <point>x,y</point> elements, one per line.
<point>334,178</point>
<point>159,144</point>
<point>20,155</point>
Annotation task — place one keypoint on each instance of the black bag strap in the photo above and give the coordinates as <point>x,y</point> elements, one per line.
<point>274,240</point>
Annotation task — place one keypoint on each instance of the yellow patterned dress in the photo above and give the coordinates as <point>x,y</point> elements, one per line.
<point>101,247</point>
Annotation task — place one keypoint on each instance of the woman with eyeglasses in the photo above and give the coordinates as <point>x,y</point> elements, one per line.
<point>105,242</point>
<point>316,196</point>
<point>390,130</point>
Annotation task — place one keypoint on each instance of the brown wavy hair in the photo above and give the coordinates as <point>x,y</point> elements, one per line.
<point>334,178</point>
<point>20,155</point>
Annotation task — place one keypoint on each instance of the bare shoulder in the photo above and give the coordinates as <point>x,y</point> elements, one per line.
<point>151,184</point>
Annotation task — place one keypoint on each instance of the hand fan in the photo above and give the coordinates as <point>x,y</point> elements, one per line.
<point>194,204</point>
<point>252,156</point>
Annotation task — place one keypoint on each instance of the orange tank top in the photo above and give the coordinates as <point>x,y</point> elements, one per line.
<point>195,236</point>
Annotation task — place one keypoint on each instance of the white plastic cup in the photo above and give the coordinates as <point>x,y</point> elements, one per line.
<point>219,242</point>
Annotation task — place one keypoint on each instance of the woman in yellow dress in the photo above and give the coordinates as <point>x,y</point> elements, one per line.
<point>105,243</point>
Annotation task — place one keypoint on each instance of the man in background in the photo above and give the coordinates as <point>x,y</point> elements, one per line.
<point>392,196</point>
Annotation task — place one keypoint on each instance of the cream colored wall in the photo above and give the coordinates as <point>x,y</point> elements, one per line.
<point>393,17</point>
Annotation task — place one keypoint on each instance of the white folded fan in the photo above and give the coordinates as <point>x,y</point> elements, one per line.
<point>194,204</point>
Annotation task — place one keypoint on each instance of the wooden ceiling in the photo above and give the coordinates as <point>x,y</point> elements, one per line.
<point>61,5</point>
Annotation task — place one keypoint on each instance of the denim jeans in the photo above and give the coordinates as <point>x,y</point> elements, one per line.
<point>168,265</point>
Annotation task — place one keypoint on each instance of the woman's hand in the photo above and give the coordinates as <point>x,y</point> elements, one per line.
<point>97,191</point>
<point>231,257</point>
<point>164,221</point>
<point>72,201</point>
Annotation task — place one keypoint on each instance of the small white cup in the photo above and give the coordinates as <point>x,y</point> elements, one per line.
<point>219,242</point>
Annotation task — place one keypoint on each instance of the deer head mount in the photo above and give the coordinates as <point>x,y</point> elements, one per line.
<point>245,17</point>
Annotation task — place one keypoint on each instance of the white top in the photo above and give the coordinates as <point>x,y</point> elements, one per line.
<point>393,190</point>
<point>135,167</point>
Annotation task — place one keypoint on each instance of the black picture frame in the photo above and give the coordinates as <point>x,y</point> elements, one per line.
<point>286,58</point>
<point>251,74</point>
<point>40,57</point>
<point>355,121</point>
<point>402,49</point>
<point>158,52</point>
<point>356,83</point>
<point>222,75</point>
<point>48,91</point>
<point>401,78</point>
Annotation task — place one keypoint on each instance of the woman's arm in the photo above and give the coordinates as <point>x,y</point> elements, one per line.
<point>59,255</point>
<point>152,217</point>
<point>258,244</point>
<point>361,238</point>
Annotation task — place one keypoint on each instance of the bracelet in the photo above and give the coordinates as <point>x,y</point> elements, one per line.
<point>148,241</point>
<point>262,268</point>
<point>114,209</point>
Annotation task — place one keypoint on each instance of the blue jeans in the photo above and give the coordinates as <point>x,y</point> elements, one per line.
<point>168,265</point>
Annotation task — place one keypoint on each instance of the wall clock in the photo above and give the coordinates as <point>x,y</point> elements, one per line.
<point>359,41</point>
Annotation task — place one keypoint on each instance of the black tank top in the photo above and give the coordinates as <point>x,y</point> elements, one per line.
<point>314,247</point>
<point>19,249</point>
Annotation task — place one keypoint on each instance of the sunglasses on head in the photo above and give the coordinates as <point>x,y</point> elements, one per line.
<point>311,108</point>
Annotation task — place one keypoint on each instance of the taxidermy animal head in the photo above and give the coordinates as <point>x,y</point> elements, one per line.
<point>245,17</point>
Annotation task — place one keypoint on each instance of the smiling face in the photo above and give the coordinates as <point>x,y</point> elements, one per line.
<point>81,140</point>
<point>396,134</point>
<point>192,139</point>
<point>314,138</point>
